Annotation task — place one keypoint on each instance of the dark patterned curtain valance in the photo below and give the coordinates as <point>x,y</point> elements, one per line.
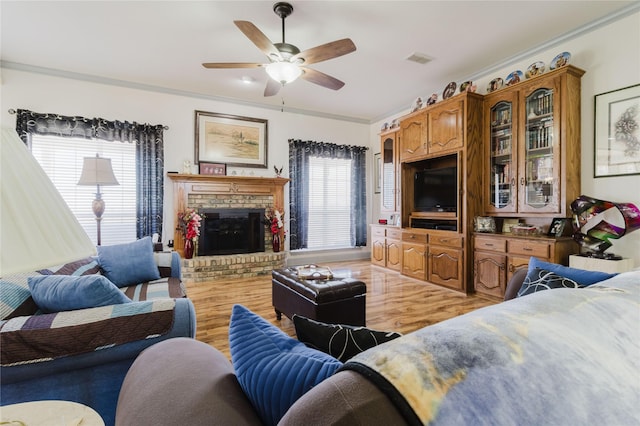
<point>29,122</point>
<point>149,140</point>
<point>299,153</point>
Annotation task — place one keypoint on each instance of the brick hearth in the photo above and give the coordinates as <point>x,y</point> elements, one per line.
<point>210,268</point>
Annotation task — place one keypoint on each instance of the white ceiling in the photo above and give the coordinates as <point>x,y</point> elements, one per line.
<point>162,44</point>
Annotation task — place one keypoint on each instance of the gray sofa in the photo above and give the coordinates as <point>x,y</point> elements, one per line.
<point>83,355</point>
<point>534,360</point>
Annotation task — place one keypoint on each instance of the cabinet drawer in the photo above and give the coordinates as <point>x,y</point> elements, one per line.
<point>445,240</point>
<point>529,248</point>
<point>414,237</point>
<point>394,233</point>
<point>493,244</point>
<point>377,231</point>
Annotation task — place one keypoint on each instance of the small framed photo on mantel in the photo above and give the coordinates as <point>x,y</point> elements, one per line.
<point>213,169</point>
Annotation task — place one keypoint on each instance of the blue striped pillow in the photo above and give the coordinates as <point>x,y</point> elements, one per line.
<point>273,369</point>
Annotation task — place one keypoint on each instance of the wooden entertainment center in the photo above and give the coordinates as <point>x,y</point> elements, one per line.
<point>514,153</point>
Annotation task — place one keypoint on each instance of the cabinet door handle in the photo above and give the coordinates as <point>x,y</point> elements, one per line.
<point>513,181</point>
<point>502,266</point>
<point>522,181</point>
<point>489,244</point>
<point>527,249</point>
<point>511,267</point>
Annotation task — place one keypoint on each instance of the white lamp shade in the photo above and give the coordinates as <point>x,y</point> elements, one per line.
<point>283,72</point>
<point>97,171</point>
<point>37,228</point>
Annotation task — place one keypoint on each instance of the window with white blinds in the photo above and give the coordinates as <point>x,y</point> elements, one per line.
<point>329,203</point>
<point>62,158</point>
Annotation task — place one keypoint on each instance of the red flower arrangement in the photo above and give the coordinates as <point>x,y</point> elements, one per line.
<point>273,218</point>
<point>190,222</point>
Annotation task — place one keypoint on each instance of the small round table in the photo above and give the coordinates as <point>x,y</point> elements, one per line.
<point>36,413</point>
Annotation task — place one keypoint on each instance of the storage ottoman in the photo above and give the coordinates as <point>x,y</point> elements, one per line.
<point>334,301</point>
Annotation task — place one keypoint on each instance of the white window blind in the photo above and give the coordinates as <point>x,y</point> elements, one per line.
<point>329,203</point>
<point>62,158</point>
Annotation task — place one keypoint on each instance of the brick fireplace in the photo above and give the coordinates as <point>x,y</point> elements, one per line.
<point>222,193</point>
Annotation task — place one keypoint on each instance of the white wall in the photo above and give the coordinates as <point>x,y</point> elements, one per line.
<point>610,55</point>
<point>53,94</point>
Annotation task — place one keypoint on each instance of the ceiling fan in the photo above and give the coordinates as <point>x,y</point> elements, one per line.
<point>286,61</point>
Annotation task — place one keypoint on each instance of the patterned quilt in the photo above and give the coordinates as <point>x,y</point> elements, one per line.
<point>557,357</point>
<point>37,338</point>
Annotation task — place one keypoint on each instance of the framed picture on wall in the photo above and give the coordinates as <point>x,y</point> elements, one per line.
<point>617,132</point>
<point>231,139</point>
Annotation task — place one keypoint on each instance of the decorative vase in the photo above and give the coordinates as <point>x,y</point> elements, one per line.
<point>188,249</point>
<point>276,243</point>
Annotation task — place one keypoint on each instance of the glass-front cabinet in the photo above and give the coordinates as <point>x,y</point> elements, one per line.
<point>540,143</point>
<point>501,192</point>
<point>389,173</point>
<point>525,131</point>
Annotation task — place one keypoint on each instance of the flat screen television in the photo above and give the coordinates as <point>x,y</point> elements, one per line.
<point>436,190</point>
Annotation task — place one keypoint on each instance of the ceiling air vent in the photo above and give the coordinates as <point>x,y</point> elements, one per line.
<point>420,58</point>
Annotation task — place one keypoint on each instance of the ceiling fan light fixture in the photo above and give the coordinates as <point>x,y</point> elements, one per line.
<point>283,72</point>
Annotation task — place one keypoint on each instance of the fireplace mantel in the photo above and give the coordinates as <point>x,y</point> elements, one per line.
<point>186,184</point>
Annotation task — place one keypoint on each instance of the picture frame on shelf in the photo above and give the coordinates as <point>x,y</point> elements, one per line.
<point>617,133</point>
<point>558,227</point>
<point>230,139</point>
<point>484,224</point>
<point>213,169</point>
<point>377,173</point>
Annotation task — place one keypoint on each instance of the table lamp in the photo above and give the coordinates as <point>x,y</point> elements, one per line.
<point>37,228</point>
<point>97,171</point>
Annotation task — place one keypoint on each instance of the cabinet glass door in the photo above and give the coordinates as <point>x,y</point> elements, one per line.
<point>539,143</point>
<point>501,160</point>
<point>388,174</point>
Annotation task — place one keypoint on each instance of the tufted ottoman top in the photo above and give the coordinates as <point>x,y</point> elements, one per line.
<point>320,291</point>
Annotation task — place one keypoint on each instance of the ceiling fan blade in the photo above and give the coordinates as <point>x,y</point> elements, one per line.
<point>231,65</point>
<point>326,51</point>
<point>322,79</point>
<point>258,38</point>
<point>273,87</point>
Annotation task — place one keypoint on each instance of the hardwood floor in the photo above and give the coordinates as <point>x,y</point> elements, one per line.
<point>394,302</point>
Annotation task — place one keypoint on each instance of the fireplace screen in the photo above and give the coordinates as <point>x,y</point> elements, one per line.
<point>231,231</point>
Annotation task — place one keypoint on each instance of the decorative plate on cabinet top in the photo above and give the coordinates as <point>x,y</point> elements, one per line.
<point>467,86</point>
<point>449,90</point>
<point>495,84</point>
<point>417,104</point>
<point>535,69</point>
<point>514,77</point>
<point>560,60</point>
<point>432,99</point>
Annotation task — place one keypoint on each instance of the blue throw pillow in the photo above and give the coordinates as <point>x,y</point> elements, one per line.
<point>540,279</point>
<point>56,293</point>
<point>581,276</point>
<point>273,369</point>
<point>130,263</point>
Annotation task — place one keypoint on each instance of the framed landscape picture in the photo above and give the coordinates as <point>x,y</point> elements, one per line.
<point>231,140</point>
<point>617,132</point>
